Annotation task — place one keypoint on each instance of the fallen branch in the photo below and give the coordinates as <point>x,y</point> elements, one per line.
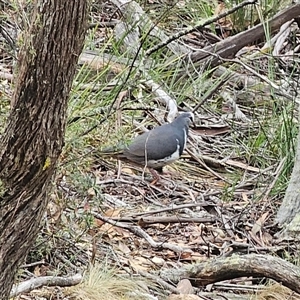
<point>212,55</point>
<point>35,283</point>
<point>220,269</point>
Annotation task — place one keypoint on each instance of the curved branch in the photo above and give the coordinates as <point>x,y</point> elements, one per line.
<point>34,283</point>
<point>238,266</point>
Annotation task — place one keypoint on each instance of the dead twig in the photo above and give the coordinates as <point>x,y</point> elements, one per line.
<point>169,219</point>
<point>172,208</point>
<point>141,233</point>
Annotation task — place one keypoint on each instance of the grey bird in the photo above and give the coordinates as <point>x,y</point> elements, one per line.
<point>160,146</point>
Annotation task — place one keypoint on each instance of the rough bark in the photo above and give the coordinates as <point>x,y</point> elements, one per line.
<point>34,136</point>
<point>289,211</point>
<point>220,269</point>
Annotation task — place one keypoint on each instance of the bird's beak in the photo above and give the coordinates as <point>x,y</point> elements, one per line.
<point>192,117</point>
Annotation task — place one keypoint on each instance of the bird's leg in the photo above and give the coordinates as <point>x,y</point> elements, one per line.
<point>155,175</point>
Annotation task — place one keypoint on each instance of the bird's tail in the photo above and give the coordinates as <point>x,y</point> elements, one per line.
<point>111,151</point>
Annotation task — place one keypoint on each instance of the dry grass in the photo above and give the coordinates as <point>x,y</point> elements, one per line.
<point>276,292</point>
<point>103,283</point>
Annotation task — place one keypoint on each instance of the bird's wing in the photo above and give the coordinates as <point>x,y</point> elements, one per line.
<point>156,144</point>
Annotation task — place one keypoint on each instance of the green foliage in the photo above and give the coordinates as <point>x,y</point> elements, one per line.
<point>253,14</point>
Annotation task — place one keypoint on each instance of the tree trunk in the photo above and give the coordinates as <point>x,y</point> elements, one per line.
<point>34,136</point>
<point>289,211</point>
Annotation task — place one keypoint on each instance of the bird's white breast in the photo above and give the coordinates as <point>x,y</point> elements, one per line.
<point>166,160</point>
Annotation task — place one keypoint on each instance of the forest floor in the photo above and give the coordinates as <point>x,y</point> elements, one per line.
<point>219,200</point>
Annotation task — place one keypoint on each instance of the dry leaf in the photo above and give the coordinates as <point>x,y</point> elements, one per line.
<point>183,297</point>
<point>226,22</point>
<point>139,263</point>
<point>91,192</point>
<point>127,171</point>
<point>241,165</point>
<point>158,260</point>
<point>124,248</point>
<point>185,287</point>
<point>54,211</point>
<point>212,130</point>
<point>36,271</point>
<point>113,212</point>
<point>259,223</point>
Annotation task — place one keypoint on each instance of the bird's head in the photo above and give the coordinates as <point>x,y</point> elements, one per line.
<point>186,118</point>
